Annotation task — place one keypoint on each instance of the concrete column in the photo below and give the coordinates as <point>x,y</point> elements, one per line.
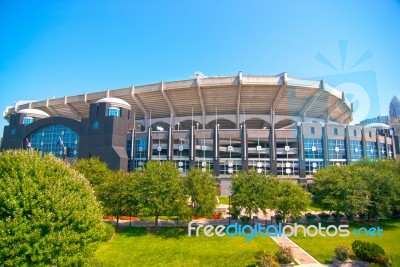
<point>245,161</point>
<point>378,145</point>
<point>216,151</point>
<point>132,155</point>
<point>302,162</point>
<point>272,147</point>
<point>192,148</point>
<point>364,143</point>
<point>347,144</point>
<point>149,143</point>
<point>170,144</point>
<point>325,146</point>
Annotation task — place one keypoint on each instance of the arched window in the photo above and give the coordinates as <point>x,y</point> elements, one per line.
<point>57,139</point>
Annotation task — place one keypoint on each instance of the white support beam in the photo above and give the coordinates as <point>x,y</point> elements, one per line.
<point>310,102</point>
<point>52,110</point>
<point>239,92</point>
<point>74,111</point>
<point>203,109</point>
<point>167,100</point>
<point>276,102</point>
<point>140,105</point>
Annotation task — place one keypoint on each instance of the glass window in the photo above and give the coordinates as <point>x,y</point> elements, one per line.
<point>312,130</point>
<point>372,152</point>
<point>59,140</point>
<point>355,132</point>
<point>27,120</point>
<point>335,131</point>
<point>96,125</point>
<point>114,112</point>
<point>337,150</point>
<point>356,150</point>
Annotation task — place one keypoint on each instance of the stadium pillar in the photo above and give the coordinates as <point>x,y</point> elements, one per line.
<point>325,146</point>
<point>149,144</point>
<point>170,144</point>
<point>302,163</point>
<point>272,147</point>
<point>245,162</point>
<point>216,151</point>
<point>347,143</point>
<point>364,143</point>
<point>192,148</point>
<point>378,145</point>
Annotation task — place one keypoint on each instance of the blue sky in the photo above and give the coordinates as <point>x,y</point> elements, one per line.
<point>57,48</point>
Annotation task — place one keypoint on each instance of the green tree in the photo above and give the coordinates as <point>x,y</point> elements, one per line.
<point>201,188</point>
<point>340,189</point>
<point>161,191</point>
<point>93,169</point>
<point>290,199</point>
<point>252,191</point>
<point>49,215</point>
<point>383,182</point>
<point>118,194</point>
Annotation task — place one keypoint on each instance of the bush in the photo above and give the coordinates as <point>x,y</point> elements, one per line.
<point>245,218</point>
<point>49,215</point>
<point>324,215</point>
<point>310,216</point>
<point>384,261</point>
<point>109,231</point>
<point>367,251</point>
<point>284,255</point>
<point>264,259</point>
<point>342,252</point>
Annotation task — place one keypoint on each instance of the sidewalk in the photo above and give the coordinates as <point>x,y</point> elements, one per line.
<point>300,255</point>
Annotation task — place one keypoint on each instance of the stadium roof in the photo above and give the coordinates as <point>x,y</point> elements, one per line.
<point>202,95</point>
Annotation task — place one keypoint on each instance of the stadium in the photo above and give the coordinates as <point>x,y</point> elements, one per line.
<point>282,125</point>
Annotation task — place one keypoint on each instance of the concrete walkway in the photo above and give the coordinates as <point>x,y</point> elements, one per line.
<point>300,255</point>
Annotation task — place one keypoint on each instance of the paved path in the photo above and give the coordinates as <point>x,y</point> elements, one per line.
<point>300,255</point>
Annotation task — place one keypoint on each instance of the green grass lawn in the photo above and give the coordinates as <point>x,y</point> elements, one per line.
<point>322,248</point>
<point>173,247</point>
<point>223,200</point>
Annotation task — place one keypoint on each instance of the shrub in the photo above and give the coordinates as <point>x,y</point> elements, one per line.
<point>245,218</point>
<point>109,231</point>
<point>342,252</point>
<point>49,215</point>
<point>284,255</point>
<point>367,251</point>
<point>310,216</point>
<point>264,259</point>
<point>279,217</point>
<point>324,215</point>
<point>384,261</point>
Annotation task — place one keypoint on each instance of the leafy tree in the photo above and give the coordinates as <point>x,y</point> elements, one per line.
<point>340,189</point>
<point>201,188</point>
<point>252,191</point>
<point>383,182</point>
<point>93,169</point>
<point>49,215</point>
<point>161,191</point>
<point>290,199</point>
<point>118,194</point>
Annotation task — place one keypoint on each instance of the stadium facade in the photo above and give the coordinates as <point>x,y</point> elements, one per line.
<point>283,125</point>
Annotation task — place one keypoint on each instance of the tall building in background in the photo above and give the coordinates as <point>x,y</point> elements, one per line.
<point>379,119</point>
<point>394,108</point>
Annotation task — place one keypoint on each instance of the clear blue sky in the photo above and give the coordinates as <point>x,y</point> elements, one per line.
<point>57,48</point>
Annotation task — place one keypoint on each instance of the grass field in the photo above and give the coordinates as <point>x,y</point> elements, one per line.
<point>173,247</point>
<point>322,248</point>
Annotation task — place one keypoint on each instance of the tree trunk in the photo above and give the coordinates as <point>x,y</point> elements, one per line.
<point>156,221</point>
<point>117,220</point>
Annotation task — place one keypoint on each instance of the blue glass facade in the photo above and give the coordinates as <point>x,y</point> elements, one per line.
<point>58,140</point>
